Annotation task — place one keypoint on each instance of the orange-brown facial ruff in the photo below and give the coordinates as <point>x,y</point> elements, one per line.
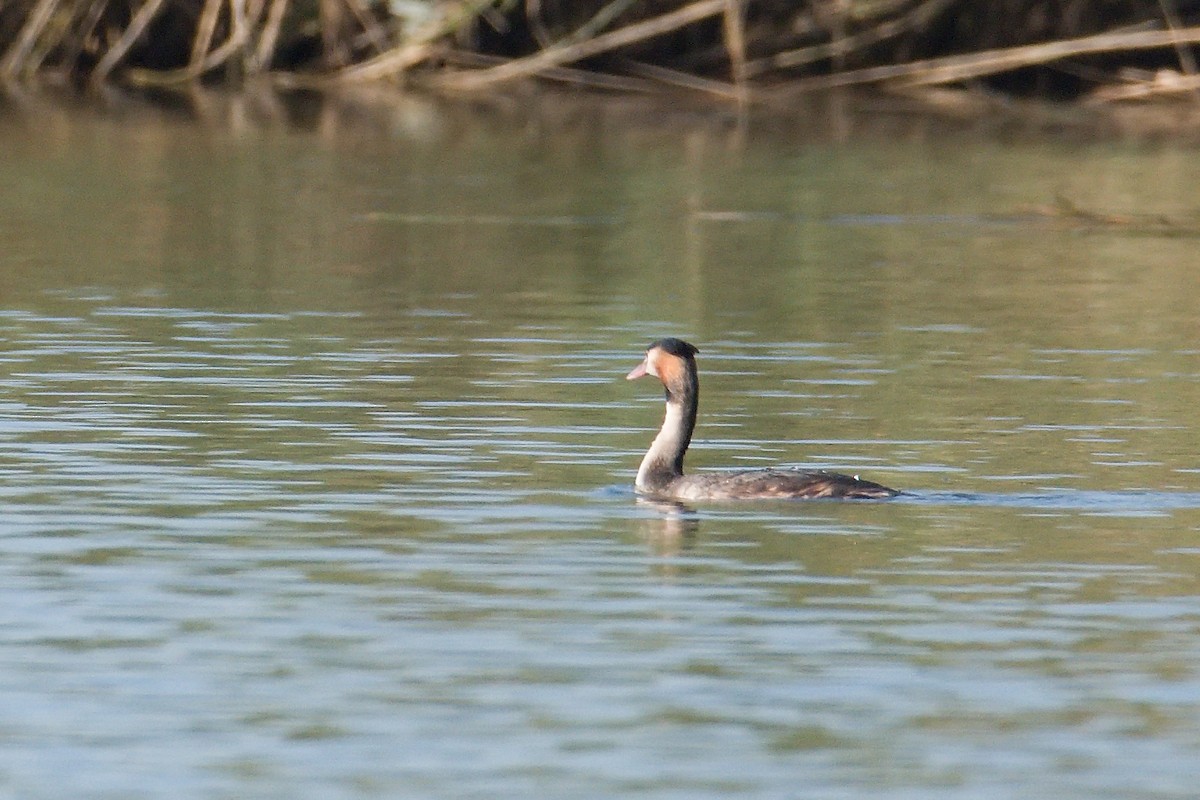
<point>665,360</point>
<point>658,362</point>
<point>670,369</point>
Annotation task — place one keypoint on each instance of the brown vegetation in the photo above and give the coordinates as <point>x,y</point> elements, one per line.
<point>742,49</point>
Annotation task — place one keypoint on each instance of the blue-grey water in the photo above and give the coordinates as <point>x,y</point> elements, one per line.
<point>316,459</point>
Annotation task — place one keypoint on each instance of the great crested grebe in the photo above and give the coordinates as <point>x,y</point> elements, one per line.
<point>673,361</point>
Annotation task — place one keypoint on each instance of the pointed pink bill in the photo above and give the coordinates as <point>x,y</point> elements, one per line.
<point>637,372</point>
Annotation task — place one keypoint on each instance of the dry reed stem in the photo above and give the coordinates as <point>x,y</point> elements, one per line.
<point>15,61</point>
<point>735,45</point>
<point>990,62</point>
<point>583,77</point>
<point>1170,14</point>
<point>599,21</point>
<point>202,39</point>
<point>374,32</point>
<point>417,49</point>
<point>1171,17</point>
<point>119,48</point>
<point>252,12</point>
<point>239,35</point>
<point>537,26</point>
<point>395,61</point>
<point>686,80</point>
<point>564,54</point>
<point>1165,82</point>
<point>269,35</point>
<point>914,19</point>
<point>329,13</point>
<point>60,29</point>
<point>74,45</point>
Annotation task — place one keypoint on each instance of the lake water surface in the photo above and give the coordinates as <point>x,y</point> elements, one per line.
<point>317,459</point>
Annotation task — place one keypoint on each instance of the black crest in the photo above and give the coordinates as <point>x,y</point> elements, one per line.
<point>676,347</point>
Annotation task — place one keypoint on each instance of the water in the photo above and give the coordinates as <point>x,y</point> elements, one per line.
<point>317,461</point>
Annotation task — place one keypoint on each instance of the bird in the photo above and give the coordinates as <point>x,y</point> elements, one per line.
<point>660,476</point>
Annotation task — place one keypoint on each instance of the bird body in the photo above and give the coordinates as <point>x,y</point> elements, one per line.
<point>673,361</point>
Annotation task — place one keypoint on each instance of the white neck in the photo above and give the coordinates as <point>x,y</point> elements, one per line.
<point>664,459</point>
